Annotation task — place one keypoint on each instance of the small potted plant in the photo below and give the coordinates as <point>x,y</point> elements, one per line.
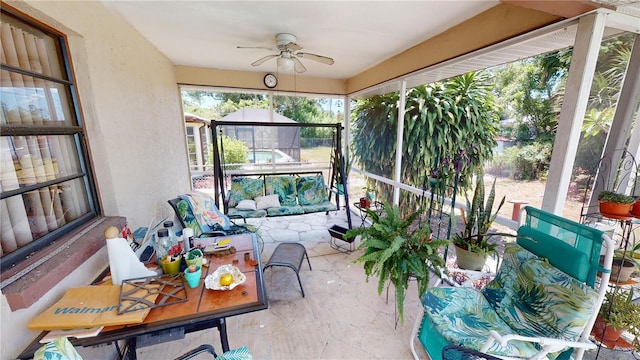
<point>171,263</point>
<point>472,245</point>
<point>395,252</point>
<point>194,257</point>
<point>625,263</point>
<point>365,203</point>
<point>613,203</point>
<point>617,314</point>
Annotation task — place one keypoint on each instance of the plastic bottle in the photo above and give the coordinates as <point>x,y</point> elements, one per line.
<point>187,239</point>
<point>162,244</point>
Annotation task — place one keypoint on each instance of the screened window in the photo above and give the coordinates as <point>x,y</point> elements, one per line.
<point>46,188</point>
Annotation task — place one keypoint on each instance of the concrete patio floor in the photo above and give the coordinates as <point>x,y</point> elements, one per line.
<point>341,317</point>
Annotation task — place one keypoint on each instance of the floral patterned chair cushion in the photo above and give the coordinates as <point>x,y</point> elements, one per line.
<point>243,188</point>
<point>464,317</point>
<point>234,212</point>
<point>284,187</point>
<point>311,190</point>
<point>528,297</point>
<point>285,210</point>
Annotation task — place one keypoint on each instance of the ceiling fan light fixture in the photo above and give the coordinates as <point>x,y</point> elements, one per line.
<point>285,64</point>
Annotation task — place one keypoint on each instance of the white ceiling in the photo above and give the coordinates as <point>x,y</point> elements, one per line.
<point>356,34</point>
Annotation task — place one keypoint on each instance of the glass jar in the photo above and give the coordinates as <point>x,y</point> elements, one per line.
<point>162,244</point>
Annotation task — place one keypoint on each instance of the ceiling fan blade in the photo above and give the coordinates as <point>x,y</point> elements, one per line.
<point>314,57</point>
<point>262,60</point>
<point>298,65</point>
<point>256,47</point>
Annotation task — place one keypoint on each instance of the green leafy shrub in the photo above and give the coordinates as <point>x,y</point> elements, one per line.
<point>235,152</point>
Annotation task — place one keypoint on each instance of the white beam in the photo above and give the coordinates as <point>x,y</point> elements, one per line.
<point>618,136</point>
<point>399,139</point>
<point>583,64</point>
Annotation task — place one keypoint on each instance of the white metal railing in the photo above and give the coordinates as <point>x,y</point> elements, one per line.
<point>502,220</point>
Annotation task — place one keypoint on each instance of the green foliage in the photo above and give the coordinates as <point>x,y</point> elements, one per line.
<point>530,162</point>
<point>235,152</point>
<point>620,312</point>
<point>475,235</point>
<point>628,254</point>
<point>612,196</point>
<point>450,126</point>
<point>396,251</point>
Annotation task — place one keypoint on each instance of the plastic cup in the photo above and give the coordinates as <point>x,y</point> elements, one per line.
<point>193,278</point>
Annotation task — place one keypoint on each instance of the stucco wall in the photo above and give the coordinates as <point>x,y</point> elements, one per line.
<point>132,113</point>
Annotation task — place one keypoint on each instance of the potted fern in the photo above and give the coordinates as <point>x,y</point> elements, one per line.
<point>396,251</point>
<point>472,245</point>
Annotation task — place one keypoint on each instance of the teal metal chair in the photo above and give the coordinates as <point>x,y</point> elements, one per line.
<point>542,304</point>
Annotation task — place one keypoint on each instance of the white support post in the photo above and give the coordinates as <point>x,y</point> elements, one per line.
<point>621,125</point>
<point>399,139</point>
<point>583,64</point>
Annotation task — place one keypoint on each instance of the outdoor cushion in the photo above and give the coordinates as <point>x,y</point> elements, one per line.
<point>233,212</point>
<point>284,187</point>
<point>244,188</point>
<point>323,206</point>
<point>246,205</point>
<point>266,202</point>
<point>285,210</point>
<point>539,299</point>
<point>311,190</point>
<point>528,297</point>
<point>463,316</point>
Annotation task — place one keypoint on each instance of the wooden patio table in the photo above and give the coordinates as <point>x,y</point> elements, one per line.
<point>204,308</point>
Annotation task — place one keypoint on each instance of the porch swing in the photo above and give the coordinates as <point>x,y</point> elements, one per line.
<point>275,189</point>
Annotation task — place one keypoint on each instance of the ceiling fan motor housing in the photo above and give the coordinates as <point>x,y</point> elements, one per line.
<point>283,39</point>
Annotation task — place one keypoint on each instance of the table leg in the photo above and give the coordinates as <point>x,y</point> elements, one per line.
<point>130,353</point>
<point>222,328</point>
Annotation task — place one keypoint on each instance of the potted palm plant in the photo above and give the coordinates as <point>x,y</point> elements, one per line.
<point>472,245</point>
<point>613,203</point>
<point>396,251</point>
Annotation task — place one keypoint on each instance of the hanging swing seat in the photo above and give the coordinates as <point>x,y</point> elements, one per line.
<point>279,194</point>
<point>542,303</point>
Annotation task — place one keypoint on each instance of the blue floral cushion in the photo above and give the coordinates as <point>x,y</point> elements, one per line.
<point>285,210</point>
<point>540,300</point>
<point>244,188</point>
<point>284,187</point>
<point>463,316</point>
<point>311,190</point>
<point>233,212</point>
<point>323,206</point>
<point>528,297</point>
<point>58,349</point>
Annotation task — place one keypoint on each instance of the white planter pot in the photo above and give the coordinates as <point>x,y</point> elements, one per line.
<point>469,260</point>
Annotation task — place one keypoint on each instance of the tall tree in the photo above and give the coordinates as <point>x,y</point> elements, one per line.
<point>450,128</point>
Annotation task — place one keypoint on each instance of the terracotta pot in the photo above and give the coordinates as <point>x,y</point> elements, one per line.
<point>469,260</point>
<point>635,210</point>
<point>625,268</point>
<point>610,333</point>
<point>612,208</point>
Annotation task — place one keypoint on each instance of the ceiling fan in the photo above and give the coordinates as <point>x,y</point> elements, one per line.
<point>288,54</point>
